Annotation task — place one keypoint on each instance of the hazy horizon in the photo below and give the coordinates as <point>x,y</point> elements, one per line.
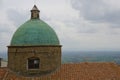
<point>86,56</point>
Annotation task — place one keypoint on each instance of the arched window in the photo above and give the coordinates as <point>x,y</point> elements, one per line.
<point>33,63</point>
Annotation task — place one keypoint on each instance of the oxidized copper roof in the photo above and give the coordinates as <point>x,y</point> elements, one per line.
<point>80,71</point>
<point>34,32</point>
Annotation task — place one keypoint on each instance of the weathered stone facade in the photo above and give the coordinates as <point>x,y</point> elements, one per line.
<point>50,59</point>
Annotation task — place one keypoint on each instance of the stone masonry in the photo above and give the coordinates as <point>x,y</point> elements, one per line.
<point>50,59</point>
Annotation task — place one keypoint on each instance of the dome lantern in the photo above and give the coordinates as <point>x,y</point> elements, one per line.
<point>35,12</point>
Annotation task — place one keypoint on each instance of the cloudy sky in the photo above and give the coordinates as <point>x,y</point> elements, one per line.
<point>81,25</point>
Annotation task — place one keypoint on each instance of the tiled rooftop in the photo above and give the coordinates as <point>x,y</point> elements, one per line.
<point>79,71</point>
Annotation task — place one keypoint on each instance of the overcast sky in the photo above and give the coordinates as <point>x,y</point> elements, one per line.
<point>81,25</point>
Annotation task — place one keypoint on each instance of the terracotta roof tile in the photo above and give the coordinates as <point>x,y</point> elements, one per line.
<point>80,71</point>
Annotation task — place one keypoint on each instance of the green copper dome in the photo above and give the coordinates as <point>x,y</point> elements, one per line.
<point>34,32</point>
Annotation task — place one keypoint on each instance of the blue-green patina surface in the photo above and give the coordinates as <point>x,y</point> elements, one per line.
<point>34,32</point>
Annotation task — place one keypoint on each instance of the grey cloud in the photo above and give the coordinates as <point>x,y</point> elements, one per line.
<point>96,11</point>
<point>45,18</point>
<point>1,3</point>
<point>87,31</point>
<point>17,17</point>
<point>4,28</point>
<point>115,26</point>
<point>113,17</point>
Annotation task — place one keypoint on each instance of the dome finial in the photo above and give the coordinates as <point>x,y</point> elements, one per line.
<point>35,12</point>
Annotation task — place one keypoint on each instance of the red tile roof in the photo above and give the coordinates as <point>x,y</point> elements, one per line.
<point>79,71</point>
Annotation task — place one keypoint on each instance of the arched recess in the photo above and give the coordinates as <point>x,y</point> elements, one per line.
<point>33,63</point>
